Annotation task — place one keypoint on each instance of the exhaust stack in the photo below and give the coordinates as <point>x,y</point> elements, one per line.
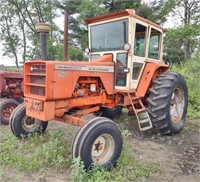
<point>43,29</point>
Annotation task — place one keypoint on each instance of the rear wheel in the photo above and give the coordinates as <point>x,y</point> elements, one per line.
<point>6,108</point>
<point>99,141</point>
<point>167,103</point>
<point>22,125</point>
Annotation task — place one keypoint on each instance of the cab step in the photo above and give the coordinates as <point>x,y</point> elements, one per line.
<point>144,121</point>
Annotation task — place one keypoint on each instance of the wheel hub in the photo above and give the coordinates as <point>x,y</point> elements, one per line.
<point>177,105</point>
<point>99,146</point>
<point>102,149</point>
<point>30,124</point>
<point>7,111</point>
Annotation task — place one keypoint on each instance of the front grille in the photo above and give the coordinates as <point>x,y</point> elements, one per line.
<point>37,90</point>
<point>35,81</point>
<point>38,69</point>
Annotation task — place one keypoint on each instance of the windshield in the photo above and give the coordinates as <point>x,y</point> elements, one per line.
<point>109,36</point>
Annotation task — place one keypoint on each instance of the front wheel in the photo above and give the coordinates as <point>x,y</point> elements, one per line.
<point>167,103</point>
<point>98,142</point>
<point>22,125</point>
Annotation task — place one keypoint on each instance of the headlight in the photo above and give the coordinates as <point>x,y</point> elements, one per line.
<point>127,46</point>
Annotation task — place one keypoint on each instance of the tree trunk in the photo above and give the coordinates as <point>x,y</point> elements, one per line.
<point>187,54</point>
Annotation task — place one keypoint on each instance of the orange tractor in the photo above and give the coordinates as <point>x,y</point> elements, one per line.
<point>125,70</point>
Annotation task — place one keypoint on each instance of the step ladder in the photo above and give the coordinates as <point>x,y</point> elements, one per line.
<point>144,121</point>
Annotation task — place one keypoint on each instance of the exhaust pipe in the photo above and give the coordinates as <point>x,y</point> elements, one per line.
<point>43,29</point>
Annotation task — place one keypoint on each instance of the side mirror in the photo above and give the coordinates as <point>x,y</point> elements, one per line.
<point>87,51</point>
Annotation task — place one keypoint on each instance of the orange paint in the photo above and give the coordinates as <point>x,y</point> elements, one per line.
<point>148,75</point>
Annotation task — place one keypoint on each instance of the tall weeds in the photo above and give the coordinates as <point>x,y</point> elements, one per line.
<point>191,71</point>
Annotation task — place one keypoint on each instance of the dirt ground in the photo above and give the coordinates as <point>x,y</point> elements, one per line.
<point>178,156</point>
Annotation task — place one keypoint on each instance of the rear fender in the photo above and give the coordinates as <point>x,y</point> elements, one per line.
<point>149,74</point>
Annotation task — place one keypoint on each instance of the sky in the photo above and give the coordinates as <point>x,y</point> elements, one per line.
<point>11,62</point>
<point>5,60</point>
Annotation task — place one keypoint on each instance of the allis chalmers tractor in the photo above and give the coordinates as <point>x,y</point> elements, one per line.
<point>10,94</point>
<point>125,70</point>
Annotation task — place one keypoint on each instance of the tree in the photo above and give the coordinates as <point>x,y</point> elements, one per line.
<point>186,35</point>
<point>78,33</point>
<point>157,10</point>
<point>118,5</point>
<point>9,32</point>
<point>17,27</point>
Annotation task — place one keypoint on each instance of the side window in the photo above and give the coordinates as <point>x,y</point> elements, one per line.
<point>137,67</point>
<point>120,65</point>
<point>154,44</point>
<point>140,40</point>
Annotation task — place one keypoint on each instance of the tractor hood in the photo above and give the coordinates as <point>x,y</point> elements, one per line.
<point>51,80</point>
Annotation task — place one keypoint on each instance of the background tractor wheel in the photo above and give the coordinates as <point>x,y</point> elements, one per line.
<point>109,112</point>
<point>98,141</point>
<point>23,125</point>
<point>6,108</point>
<point>167,103</point>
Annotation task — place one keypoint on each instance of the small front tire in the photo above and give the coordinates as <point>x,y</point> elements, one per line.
<point>98,142</point>
<point>22,125</point>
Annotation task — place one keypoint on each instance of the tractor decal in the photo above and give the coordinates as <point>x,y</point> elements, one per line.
<point>84,68</point>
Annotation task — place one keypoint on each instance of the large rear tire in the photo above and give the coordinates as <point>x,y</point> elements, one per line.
<point>167,103</point>
<point>6,108</point>
<point>22,125</point>
<point>98,141</point>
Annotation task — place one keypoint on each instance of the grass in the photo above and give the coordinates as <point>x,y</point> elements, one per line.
<point>192,123</point>
<point>36,152</point>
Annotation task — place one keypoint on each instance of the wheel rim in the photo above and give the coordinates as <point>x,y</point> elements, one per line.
<point>7,111</point>
<point>102,149</point>
<point>30,124</point>
<point>177,105</point>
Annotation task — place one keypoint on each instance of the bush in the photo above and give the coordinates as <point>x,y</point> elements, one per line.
<point>191,71</point>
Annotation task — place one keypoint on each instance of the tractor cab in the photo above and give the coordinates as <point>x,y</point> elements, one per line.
<point>130,39</point>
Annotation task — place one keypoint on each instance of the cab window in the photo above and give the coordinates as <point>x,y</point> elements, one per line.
<point>121,63</point>
<point>154,44</point>
<point>140,40</point>
<point>137,67</point>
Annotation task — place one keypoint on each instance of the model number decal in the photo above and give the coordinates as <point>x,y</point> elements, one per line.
<point>84,68</point>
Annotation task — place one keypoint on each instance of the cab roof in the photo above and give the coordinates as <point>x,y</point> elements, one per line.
<point>127,12</point>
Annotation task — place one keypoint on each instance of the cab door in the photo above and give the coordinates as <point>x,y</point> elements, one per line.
<point>139,52</point>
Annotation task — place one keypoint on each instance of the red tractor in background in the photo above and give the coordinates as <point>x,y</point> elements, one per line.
<point>11,94</point>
